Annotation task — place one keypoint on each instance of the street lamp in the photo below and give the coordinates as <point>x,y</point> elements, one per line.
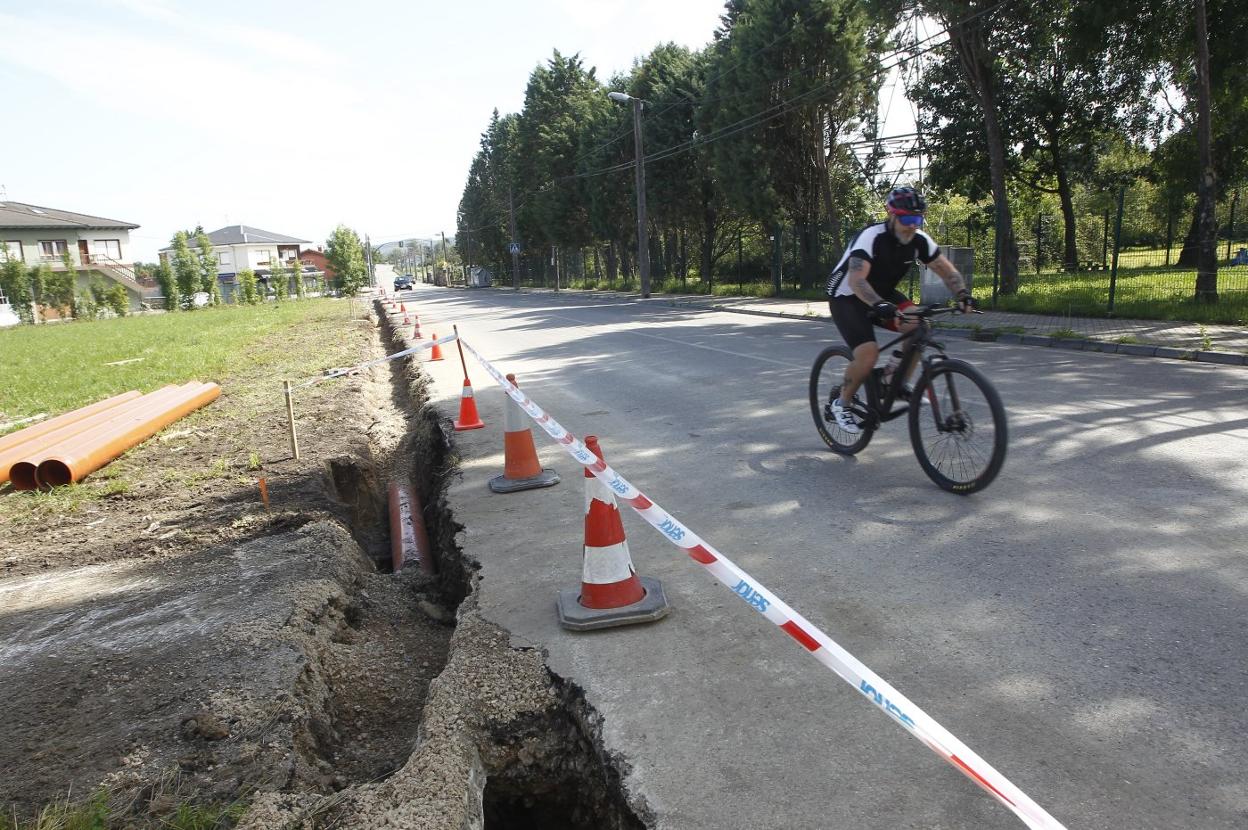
<point>643,239</point>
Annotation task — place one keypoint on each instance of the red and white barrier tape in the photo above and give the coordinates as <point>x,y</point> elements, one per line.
<point>337,373</point>
<point>824,648</point>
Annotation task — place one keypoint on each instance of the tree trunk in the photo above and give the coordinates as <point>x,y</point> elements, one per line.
<point>1070,247</point>
<point>597,266</point>
<point>807,249</point>
<point>1207,256</point>
<point>708,234</point>
<point>967,38</point>
<point>626,262</point>
<point>613,265</point>
<point>834,217</point>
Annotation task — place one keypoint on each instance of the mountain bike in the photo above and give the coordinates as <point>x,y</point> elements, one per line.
<point>957,422</point>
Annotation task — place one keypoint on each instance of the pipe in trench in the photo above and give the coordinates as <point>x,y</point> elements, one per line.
<point>25,462</point>
<point>16,444</point>
<point>76,460</point>
<point>409,538</point>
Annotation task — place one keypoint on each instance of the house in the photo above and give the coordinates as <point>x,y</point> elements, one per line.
<point>315,260</point>
<point>242,247</point>
<point>98,248</point>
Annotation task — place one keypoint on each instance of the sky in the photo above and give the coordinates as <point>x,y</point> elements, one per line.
<point>287,116</point>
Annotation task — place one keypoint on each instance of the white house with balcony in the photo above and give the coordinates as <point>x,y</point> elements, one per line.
<point>97,247</point>
<point>242,247</point>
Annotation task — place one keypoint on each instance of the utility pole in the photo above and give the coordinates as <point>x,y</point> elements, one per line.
<point>1206,244</point>
<point>368,261</point>
<point>514,247</point>
<point>643,238</point>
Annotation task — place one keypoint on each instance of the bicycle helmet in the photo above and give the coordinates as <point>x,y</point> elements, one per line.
<point>905,201</point>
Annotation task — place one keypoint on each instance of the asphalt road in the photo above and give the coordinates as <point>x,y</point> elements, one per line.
<point>1081,624</point>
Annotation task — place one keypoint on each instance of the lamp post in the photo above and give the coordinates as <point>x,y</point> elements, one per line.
<point>643,240</point>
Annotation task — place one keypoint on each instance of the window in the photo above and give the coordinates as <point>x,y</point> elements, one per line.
<point>226,259</point>
<point>110,248</point>
<point>263,256</point>
<point>52,248</point>
<point>14,252</point>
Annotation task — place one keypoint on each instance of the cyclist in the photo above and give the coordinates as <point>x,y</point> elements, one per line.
<point>863,287</point>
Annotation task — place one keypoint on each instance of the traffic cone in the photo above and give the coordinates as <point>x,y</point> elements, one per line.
<point>521,469</point>
<point>416,333</point>
<point>436,352</point>
<point>612,593</point>
<point>468,417</point>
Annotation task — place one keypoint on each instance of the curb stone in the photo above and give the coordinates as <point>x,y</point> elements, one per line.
<point>1228,358</point>
<point>1169,351</point>
<point>1077,344</point>
<point>1136,349</point>
<point>1036,340</point>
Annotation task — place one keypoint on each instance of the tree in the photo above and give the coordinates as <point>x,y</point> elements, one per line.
<point>207,262</point>
<point>296,271</point>
<point>168,286</point>
<point>57,289</point>
<point>248,295</point>
<point>280,280</point>
<point>186,269</point>
<point>345,254</point>
<point>788,79</point>
<point>15,285</point>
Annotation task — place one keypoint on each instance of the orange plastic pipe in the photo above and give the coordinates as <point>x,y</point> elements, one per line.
<point>15,445</point>
<point>79,459</point>
<point>31,432</point>
<point>22,461</point>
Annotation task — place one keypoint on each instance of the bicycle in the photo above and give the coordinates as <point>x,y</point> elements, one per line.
<point>957,421</point>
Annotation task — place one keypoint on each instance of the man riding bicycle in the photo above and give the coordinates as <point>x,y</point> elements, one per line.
<point>863,288</point>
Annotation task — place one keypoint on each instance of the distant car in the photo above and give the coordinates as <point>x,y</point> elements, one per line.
<point>403,281</point>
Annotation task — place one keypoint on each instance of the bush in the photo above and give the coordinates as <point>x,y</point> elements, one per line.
<point>247,293</point>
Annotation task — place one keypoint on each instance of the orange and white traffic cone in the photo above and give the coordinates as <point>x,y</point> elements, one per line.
<point>521,469</point>
<point>612,593</point>
<point>416,322</point>
<point>468,417</point>
<point>436,352</point>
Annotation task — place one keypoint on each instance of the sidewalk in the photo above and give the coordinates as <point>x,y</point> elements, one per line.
<point>1153,338</point>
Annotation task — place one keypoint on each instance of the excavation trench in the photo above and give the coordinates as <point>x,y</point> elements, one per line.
<point>498,741</point>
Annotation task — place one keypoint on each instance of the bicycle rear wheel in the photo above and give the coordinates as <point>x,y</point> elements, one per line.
<point>826,378</point>
<point>958,427</point>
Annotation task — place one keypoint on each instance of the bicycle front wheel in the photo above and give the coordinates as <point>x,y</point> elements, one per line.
<point>826,378</point>
<point>958,427</point>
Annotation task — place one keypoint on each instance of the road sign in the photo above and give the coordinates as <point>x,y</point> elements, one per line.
<point>514,247</point>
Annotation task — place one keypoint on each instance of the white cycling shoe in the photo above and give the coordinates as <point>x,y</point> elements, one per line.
<point>845,418</point>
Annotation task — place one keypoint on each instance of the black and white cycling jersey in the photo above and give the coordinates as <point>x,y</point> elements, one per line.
<point>890,259</point>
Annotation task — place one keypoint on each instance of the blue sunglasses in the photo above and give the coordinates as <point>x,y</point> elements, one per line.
<point>910,219</point>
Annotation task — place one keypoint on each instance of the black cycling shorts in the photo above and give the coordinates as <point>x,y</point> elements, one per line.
<point>851,316</point>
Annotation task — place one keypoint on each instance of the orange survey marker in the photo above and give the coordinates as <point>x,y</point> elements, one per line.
<point>468,417</point>
<point>521,469</point>
<point>611,592</point>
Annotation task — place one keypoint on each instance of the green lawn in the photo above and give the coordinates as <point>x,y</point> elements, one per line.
<point>55,368</point>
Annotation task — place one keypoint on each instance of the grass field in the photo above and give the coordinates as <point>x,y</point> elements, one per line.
<point>55,368</point>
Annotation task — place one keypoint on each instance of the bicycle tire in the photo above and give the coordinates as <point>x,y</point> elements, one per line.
<point>823,388</point>
<point>958,427</point>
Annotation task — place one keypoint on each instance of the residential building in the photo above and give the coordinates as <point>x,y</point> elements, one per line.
<point>315,260</point>
<point>98,248</point>
<point>242,247</point>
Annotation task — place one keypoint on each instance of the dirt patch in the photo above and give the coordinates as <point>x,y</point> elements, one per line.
<point>177,629</point>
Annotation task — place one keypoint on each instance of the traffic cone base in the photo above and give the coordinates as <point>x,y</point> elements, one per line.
<point>576,617</point>
<point>468,417</point>
<point>521,469</point>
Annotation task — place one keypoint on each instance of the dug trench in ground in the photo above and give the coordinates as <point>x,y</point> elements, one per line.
<point>503,744</point>
<point>221,649</point>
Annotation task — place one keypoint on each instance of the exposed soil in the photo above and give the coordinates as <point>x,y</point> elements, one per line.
<point>176,638</point>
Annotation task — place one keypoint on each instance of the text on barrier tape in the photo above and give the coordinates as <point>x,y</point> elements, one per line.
<point>824,649</point>
<point>337,373</point>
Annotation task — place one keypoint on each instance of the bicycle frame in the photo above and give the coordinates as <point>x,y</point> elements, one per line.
<point>916,343</point>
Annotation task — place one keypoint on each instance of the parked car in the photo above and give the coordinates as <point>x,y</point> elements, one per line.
<point>403,281</point>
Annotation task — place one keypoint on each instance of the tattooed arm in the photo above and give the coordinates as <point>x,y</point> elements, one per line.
<point>856,273</point>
